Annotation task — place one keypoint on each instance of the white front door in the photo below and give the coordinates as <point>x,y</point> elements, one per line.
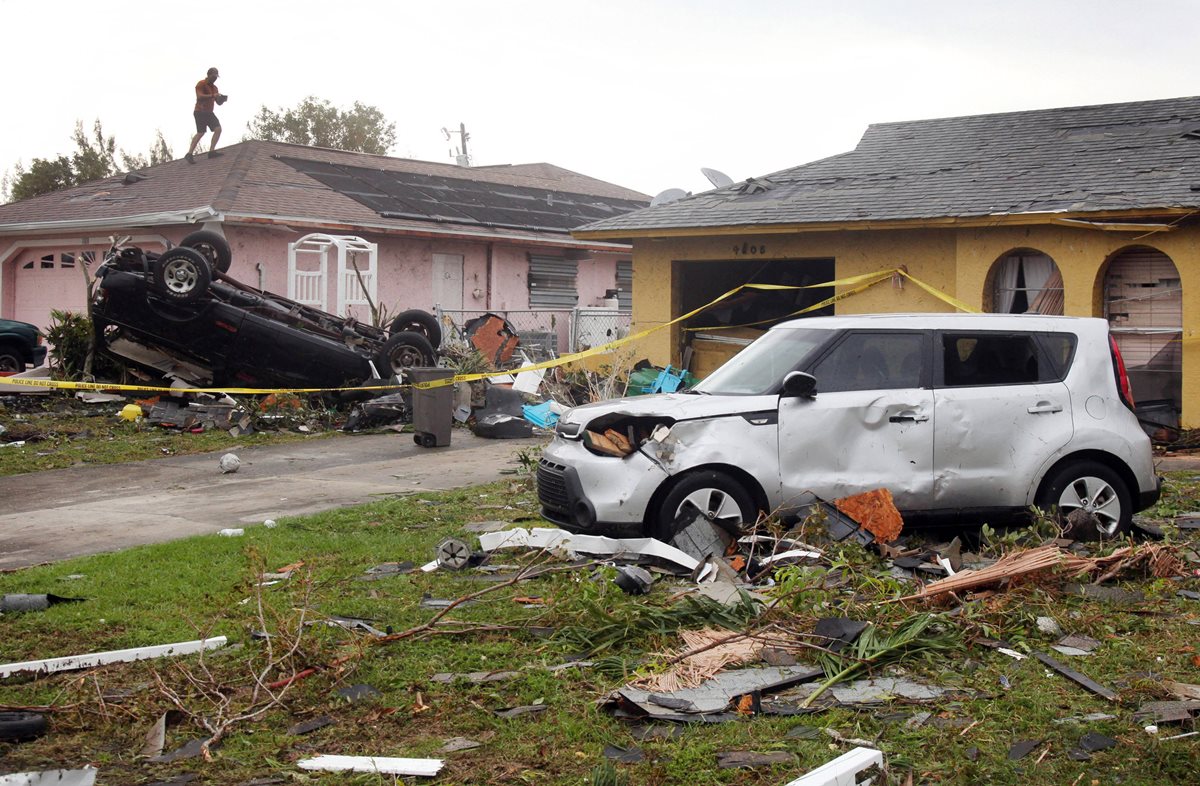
<point>448,281</point>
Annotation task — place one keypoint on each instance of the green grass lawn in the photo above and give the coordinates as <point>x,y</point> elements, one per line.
<point>59,431</point>
<point>206,586</point>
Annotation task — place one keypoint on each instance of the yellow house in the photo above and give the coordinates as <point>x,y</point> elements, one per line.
<point>1085,211</point>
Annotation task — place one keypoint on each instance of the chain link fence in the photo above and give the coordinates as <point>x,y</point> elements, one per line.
<point>546,334</point>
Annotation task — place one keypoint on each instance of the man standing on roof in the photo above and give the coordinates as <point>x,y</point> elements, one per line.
<point>207,97</point>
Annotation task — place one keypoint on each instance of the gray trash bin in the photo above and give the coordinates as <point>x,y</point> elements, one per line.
<point>433,408</point>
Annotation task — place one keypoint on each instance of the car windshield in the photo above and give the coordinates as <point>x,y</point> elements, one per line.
<point>759,368</point>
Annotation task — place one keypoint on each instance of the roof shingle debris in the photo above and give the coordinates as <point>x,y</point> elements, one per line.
<point>1113,157</point>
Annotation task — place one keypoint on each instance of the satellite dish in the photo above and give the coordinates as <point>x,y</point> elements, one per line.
<point>670,195</point>
<point>715,176</point>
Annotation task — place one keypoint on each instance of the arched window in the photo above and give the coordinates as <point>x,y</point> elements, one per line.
<point>1143,301</point>
<point>1025,281</point>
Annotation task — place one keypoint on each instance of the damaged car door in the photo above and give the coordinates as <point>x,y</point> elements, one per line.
<point>1002,410</point>
<point>869,424</point>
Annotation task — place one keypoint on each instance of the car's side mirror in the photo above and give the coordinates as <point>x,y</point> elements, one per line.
<point>799,384</point>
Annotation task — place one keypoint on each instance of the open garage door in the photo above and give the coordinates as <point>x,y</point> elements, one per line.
<point>714,336</point>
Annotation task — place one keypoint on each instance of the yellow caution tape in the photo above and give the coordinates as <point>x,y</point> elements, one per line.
<point>858,284</point>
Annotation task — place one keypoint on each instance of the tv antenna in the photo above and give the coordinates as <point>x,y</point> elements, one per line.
<point>715,176</point>
<point>461,156</point>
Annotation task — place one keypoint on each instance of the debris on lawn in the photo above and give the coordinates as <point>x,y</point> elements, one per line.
<point>21,726</point>
<point>1081,679</point>
<point>540,538</point>
<point>426,768</point>
<point>311,725</point>
<point>16,602</point>
<point>516,712</point>
<point>875,511</point>
<point>728,760</point>
<point>81,777</point>
<point>75,662</point>
<point>844,770</point>
<point>455,744</point>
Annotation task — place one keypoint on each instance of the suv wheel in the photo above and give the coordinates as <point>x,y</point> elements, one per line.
<point>404,350</point>
<point>708,495</point>
<point>1095,489</point>
<point>214,248</point>
<point>417,321</point>
<point>181,275</point>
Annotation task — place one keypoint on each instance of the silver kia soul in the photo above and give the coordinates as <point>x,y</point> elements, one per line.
<point>974,417</point>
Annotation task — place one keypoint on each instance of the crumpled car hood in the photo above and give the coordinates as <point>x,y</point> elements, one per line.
<point>677,406</point>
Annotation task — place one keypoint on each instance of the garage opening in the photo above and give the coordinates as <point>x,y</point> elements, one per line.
<point>717,334</point>
<point>1024,281</point>
<point>1143,302</point>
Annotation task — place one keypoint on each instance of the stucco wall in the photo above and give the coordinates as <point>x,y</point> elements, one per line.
<point>955,261</point>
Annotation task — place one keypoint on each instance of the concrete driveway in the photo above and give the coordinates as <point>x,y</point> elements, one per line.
<point>65,513</point>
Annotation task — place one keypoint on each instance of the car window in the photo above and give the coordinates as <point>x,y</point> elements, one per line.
<point>972,359</point>
<point>871,361</point>
<point>1059,350</point>
<point>759,369</point>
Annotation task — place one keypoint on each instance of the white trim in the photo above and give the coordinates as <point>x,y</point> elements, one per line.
<point>555,240</point>
<point>162,218</point>
<point>72,662</point>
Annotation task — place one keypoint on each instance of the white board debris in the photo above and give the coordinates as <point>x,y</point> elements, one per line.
<point>618,548</point>
<point>72,662</point>
<point>843,770</point>
<point>381,764</point>
<point>84,777</point>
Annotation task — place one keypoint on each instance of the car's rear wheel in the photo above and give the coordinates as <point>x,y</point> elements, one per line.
<point>181,275</point>
<point>706,495</point>
<point>214,248</point>
<point>417,321</point>
<point>1095,489</point>
<point>10,359</point>
<point>404,350</point>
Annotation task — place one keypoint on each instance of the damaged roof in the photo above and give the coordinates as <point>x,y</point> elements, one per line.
<point>1139,156</point>
<point>276,181</point>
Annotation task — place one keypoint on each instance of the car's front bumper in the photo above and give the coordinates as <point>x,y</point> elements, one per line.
<point>584,492</point>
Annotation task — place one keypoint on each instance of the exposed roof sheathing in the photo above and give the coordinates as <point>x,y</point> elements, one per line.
<point>422,196</point>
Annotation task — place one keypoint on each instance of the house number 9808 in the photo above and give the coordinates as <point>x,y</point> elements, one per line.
<point>750,248</point>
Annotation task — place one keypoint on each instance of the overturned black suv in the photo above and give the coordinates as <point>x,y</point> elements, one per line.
<point>178,314</point>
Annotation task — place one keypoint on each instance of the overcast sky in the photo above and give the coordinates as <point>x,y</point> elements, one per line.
<point>641,93</point>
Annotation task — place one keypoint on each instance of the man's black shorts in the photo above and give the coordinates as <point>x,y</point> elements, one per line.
<point>206,120</point>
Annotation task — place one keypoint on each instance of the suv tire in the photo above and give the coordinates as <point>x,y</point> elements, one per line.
<point>181,275</point>
<point>417,321</point>
<point>214,248</point>
<point>706,494</point>
<point>1092,487</point>
<point>11,359</point>
<point>19,726</point>
<point>404,350</point>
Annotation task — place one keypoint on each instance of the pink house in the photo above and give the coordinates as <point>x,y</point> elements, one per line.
<point>419,235</point>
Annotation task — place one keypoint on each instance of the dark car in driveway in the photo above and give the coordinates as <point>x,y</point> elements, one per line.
<point>178,313</point>
<point>20,346</point>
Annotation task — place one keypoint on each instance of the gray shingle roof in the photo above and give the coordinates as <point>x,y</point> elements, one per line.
<point>1113,157</point>
<point>251,179</point>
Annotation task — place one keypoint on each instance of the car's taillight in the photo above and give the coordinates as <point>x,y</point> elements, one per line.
<point>1123,386</point>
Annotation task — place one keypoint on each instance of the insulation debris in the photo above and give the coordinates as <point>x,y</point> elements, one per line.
<point>875,511</point>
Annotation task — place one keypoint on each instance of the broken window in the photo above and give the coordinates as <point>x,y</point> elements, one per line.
<point>872,361</point>
<point>1143,301</point>
<point>1025,281</point>
<point>971,359</point>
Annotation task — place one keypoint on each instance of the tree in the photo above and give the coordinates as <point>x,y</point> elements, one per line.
<point>317,122</point>
<point>43,176</point>
<point>95,157</point>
